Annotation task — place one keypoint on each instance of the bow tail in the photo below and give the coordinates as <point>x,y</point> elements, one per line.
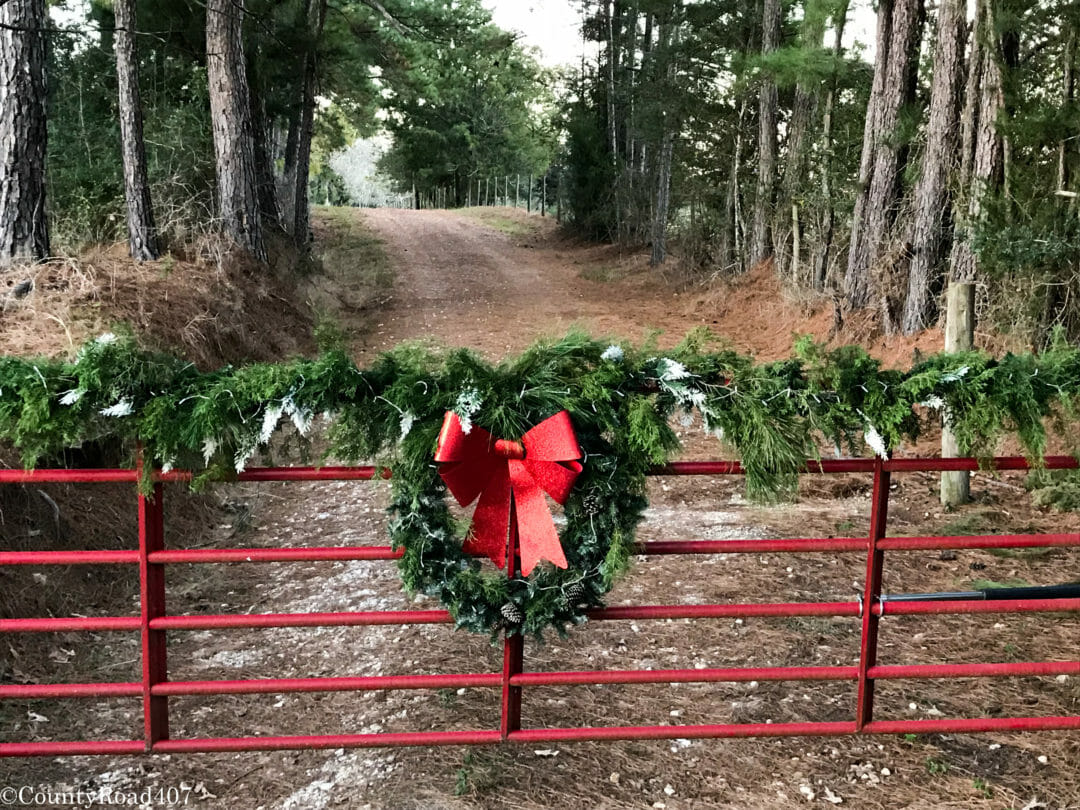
<point>491,519</point>
<point>536,530</point>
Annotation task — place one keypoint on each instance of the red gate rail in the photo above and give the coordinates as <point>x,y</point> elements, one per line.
<point>154,624</point>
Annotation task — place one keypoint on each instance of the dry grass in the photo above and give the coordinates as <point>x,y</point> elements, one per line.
<point>204,304</point>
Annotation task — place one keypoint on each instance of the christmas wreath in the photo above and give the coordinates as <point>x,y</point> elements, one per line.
<point>472,436</point>
<point>580,419</point>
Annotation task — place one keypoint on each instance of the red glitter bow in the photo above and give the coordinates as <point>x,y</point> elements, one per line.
<point>510,479</point>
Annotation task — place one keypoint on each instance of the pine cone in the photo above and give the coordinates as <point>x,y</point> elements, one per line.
<point>591,504</point>
<point>575,593</point>
<point>512,613</point>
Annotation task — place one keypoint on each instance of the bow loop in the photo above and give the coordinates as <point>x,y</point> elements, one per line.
<point>510,479</point>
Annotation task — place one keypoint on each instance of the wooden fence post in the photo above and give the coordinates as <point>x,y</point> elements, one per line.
<point>959,337</point>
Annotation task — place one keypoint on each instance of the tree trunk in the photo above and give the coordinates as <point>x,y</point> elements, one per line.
<point>821,263</point>
<point>931,229</point>
<point>264,164</point>
<point>856,286</point>
<point>731,253</point>
<point>142,233</point>
<point>24,229</point>
<point>301,219</point>
<point>629,63</point>
<point>668,39</point>
<point>610,78</point>
<point>883,194</point>
<point>663,200</point>
<point>288,178</point>
<point>230,110</point>
<point>764,197</point>
<point>985,161</point>
<point>1068,95</point>
<point>799,142</point>
<point>640,157</point>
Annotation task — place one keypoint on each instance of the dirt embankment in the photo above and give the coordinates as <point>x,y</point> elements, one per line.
<point>203,304</point>
<point>496,280</point>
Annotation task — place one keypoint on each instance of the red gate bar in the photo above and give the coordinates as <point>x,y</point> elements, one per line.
<point>154,623</point>
<point>875,559</point>
<point>267,686</point>
<point>152,601</point>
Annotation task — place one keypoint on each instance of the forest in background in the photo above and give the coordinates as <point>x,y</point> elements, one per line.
<point>722,132</point>
<point>750,131</point>
<point>169,121</point>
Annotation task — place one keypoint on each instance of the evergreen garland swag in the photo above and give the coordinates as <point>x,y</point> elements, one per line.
<point>621,400</point>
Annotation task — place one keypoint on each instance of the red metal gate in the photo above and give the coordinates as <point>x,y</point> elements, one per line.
<point>154,623</point>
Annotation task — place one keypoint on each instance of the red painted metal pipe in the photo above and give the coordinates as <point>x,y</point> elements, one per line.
<point>734,675</point>
<point>310,554</point>
<point>100,557</point>
<point>73,624</point>
<point>72,749</point>
<point>979,541</point>
<point>314,474</point>
<point>268,620</point>
<point>1001,463</point>
<point>680,468</point>
<point>719,731</point>
<point>812,544</point>
<point>989,606</point>
<point>398,740</point>
<point>64,476</point>
<point>262,474</point>
<point>973,725</point>
<point>726,611</point>
<point>44,691</point>
<point>1003,670</point>
<point>266,686</point>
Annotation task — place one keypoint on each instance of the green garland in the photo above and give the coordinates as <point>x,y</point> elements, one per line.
<point>621,399</point>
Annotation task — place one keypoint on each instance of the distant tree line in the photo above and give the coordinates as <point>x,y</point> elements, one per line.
<point>178,117</point>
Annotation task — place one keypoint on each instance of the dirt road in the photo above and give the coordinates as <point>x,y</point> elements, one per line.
<point>498,282</point>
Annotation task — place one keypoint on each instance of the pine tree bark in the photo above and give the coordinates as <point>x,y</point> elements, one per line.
<point>731,252</point>
<point>828,224</point>
<point>765,194</point>
<point>931,231</point>
<point>661,207</point>
<point>286,198</point>
<point>24,229</point>
<point>1068,95</point>
<point>230,109</point>
<point>856,283</point>
<point>889,157</point>
<point>796,163</point>
<point>612,125</point>
<point>264,165</point>
<point>663,199</point>
<point>302,217</point>
<point>981,169</point>
<point>142,231</point>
